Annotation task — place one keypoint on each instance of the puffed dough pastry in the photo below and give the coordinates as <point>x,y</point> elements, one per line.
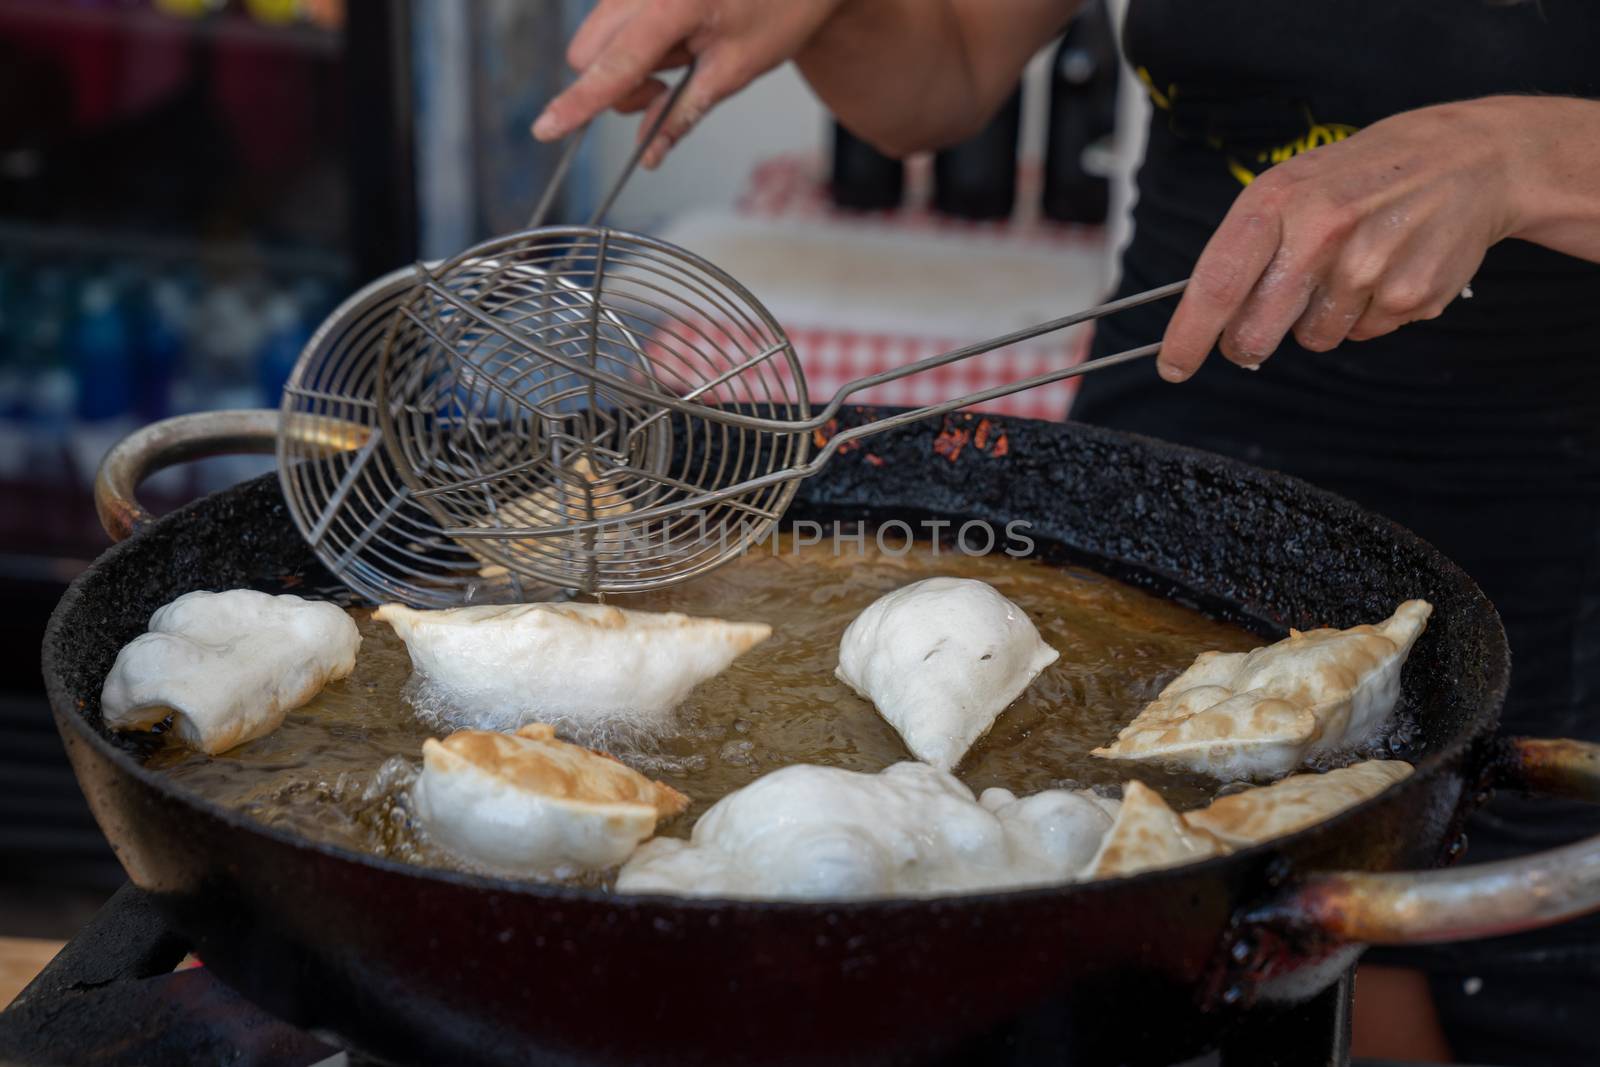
<point>812,832</point>
<point>1260,714</point>
<point>1299,801</point>
<point>227,667</point>
<point>527,803</point>
<point>503,665</point>
<point>941,659</point>
<point>1147,835</point>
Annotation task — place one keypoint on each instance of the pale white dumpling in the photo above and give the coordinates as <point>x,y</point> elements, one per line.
<point>527,803</point>
<point>941,659</point>
<point>1055,832</point>
<point>1260,714</point>
<point>1147,835</point>
<point>500,666</point>
<point>811,832</point>
<point>1299,801</point>
<point>228,666</point>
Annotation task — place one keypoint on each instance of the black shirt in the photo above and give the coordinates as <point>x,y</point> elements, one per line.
<point>1480,430</point>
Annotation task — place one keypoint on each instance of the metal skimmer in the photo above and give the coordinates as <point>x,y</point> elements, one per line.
<point>602,411</point>
<point>343,490</point>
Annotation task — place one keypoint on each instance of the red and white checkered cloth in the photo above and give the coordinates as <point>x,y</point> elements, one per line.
<point>789,187</point>
<point>831,358</point>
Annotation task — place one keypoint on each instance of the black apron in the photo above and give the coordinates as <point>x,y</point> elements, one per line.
<point>1479,430</point>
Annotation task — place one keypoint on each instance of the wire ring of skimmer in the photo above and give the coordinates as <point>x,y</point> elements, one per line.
<point>579,375</point>
<point>344,494</point>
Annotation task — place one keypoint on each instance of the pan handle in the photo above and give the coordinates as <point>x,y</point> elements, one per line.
<point>1465,903</point>
<point>166,444</point>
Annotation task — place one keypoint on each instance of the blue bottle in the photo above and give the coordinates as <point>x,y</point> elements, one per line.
<point>101,353</point>
<point>165,329</point>
<point>13,381</point>
<point>287,331</point>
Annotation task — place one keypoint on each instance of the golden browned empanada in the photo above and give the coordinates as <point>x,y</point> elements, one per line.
<point>1147,835</point>
<point>1260,714</point>
<point>527,803</point>
<point>1298,801</point>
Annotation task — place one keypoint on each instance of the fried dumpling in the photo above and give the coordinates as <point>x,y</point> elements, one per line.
<point>1056,831</point>
<point>811,832</point>
<point>579,490</point>
<point>1260,714</point>
<point>590,665</point>
<point>227,667</point>
<point>941,659</point>
<point>1148,835</point>
<point>527,803</point>
<point>1298,801</point>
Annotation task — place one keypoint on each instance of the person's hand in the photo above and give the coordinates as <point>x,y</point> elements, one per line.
<point>1354,239</point>
<point>623,43</point>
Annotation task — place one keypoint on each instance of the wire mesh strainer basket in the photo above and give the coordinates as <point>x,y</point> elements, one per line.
<point>343,491</point>
<point>570,386</point>
<point>608,412</point>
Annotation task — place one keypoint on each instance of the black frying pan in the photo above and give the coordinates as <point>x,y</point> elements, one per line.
<point>427,965</point>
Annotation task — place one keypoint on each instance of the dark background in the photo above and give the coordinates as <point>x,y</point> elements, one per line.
<point>185,191</point>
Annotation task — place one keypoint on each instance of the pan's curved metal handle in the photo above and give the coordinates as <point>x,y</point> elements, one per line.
<point>167,443</point>
<point>238,432</point>
<point>1472,901</point>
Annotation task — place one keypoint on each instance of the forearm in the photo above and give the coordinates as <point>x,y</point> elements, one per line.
<point>1553,155</point>
<point>908,75</point>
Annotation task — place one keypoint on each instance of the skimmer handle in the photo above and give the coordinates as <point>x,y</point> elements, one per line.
<point>569,152</point>
<point>690,406</point>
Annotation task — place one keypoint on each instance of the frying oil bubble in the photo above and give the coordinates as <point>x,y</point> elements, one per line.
<point>440,711</point>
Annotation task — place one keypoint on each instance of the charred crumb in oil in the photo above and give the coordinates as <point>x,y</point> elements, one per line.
<point>824,433</point>
<point>954,437</point>
<point>950,442</point>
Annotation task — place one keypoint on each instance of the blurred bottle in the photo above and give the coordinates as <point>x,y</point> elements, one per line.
<point>329,14</point>
<point>42,327</point>
<point>13,403</point>
<point>864,179</point>
<point>13,382</point>
<point>163,338</point>
<point>102,353</point>
<point>977,179</point>
<point>273,12</point>
<point>228,330</point>
<point>100,346</point>
<point>50,389</point>
<point>1083,113</point>
<point>317,300</point>
<point>287,330</point>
